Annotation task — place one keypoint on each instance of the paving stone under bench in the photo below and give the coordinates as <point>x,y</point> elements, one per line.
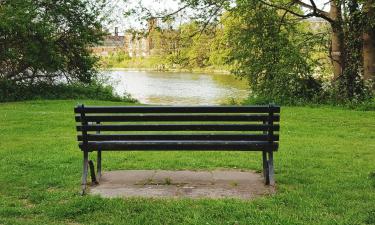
<point>182,184</point>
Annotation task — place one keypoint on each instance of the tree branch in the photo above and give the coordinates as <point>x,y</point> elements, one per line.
<point>315,11</point>
<point>287,9</point>
<point>171,13</point>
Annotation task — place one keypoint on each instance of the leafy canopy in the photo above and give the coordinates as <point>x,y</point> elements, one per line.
<point>270,49</point>
<point>47,40</point>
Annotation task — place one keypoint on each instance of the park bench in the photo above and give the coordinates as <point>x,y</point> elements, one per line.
<point>177,128</point>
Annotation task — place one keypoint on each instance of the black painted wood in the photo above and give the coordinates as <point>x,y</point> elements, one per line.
<point>179,127</point>
<point>177,117</point>
<point>177,109</point>
<point>182,137</point>
<point>183,145</point>
<point>84,132</point>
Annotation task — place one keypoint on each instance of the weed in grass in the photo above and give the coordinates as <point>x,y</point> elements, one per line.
<point>167,181</point>
<point>234,184</point>
<point>372,178</point>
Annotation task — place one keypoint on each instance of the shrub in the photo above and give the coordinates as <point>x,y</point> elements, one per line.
<point>10,91</point>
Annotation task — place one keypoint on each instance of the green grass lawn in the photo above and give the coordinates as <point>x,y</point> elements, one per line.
<point>325,172</point>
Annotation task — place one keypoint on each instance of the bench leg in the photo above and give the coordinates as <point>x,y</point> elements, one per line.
<point>271,171</point>
<point>99,160</point>
<point>265,168</point>
<point>268,168</point>
<point>99,166</point>
<point>92,173</point>
<point>85,170</point>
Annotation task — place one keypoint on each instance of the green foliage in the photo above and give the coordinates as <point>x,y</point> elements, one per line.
<point>334,94</point>
<point>195,47</point>
<point>152,62</point>
<point>272,53</point>
<point>120,56</point>
<point>43,90</point>
<point>350,86</point>
<point>220,49</point>
<point>44,40</point>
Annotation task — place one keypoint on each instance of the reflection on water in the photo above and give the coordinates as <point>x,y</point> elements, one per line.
<point>178,88</point>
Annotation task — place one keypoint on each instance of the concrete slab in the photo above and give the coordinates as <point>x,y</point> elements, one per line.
<point>182,184</point>
<point>182,177</point>
<point>121,177</point>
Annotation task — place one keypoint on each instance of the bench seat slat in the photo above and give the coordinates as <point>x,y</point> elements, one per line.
<point>180,127</point>
<point>176,117</point>
<point>182,145</point>
<point>177,109</point>
<point>155,137</point>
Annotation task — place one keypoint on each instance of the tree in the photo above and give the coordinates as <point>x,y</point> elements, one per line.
<point>352,23</point>
<point>273,54</point>
<point>196,48</point>
<point>369,40</point>
<point>340,15</point>
<point>182,45</point>
<point>49,40</point>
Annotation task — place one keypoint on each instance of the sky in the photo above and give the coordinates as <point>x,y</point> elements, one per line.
<point>119,6</point>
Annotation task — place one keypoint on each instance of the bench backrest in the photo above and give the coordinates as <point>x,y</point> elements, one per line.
<point>179,123</point>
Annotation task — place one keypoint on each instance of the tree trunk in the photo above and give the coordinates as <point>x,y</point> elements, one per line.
<point>337,40</point>
<point>369,55</point>
<point>369,43</point>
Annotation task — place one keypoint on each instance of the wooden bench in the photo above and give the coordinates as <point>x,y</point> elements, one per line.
<point>170,128</point>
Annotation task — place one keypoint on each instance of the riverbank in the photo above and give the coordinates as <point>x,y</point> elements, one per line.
<point>324,172</point>
<point>10,92</point>
<point>154,63</point>
<point>177,70</point>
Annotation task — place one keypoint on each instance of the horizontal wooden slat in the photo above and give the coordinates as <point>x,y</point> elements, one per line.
<point>182,145</point>
<point>181,137</point>
<point>175,117</point>
<point>177,109</point>
<point>180,127</point>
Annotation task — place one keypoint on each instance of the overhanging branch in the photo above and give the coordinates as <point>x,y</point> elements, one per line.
<point>315,10</point>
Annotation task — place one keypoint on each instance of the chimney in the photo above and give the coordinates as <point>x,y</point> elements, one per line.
<point>152,24</point>
<point>116,31</point>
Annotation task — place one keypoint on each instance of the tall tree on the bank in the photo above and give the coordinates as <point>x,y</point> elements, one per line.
<point>369,40</point>
<point>44,40</point>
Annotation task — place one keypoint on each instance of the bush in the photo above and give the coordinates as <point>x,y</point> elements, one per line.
<point>10,91</point>
<point>328,94</point>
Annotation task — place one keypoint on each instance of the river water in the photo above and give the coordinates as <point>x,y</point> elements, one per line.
<point>178,88</point>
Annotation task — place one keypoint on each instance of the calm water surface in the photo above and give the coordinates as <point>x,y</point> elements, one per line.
<point>178,88</point>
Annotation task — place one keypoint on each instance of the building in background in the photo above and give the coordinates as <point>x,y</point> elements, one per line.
<point>135,44</point>
<point>110,44</point>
